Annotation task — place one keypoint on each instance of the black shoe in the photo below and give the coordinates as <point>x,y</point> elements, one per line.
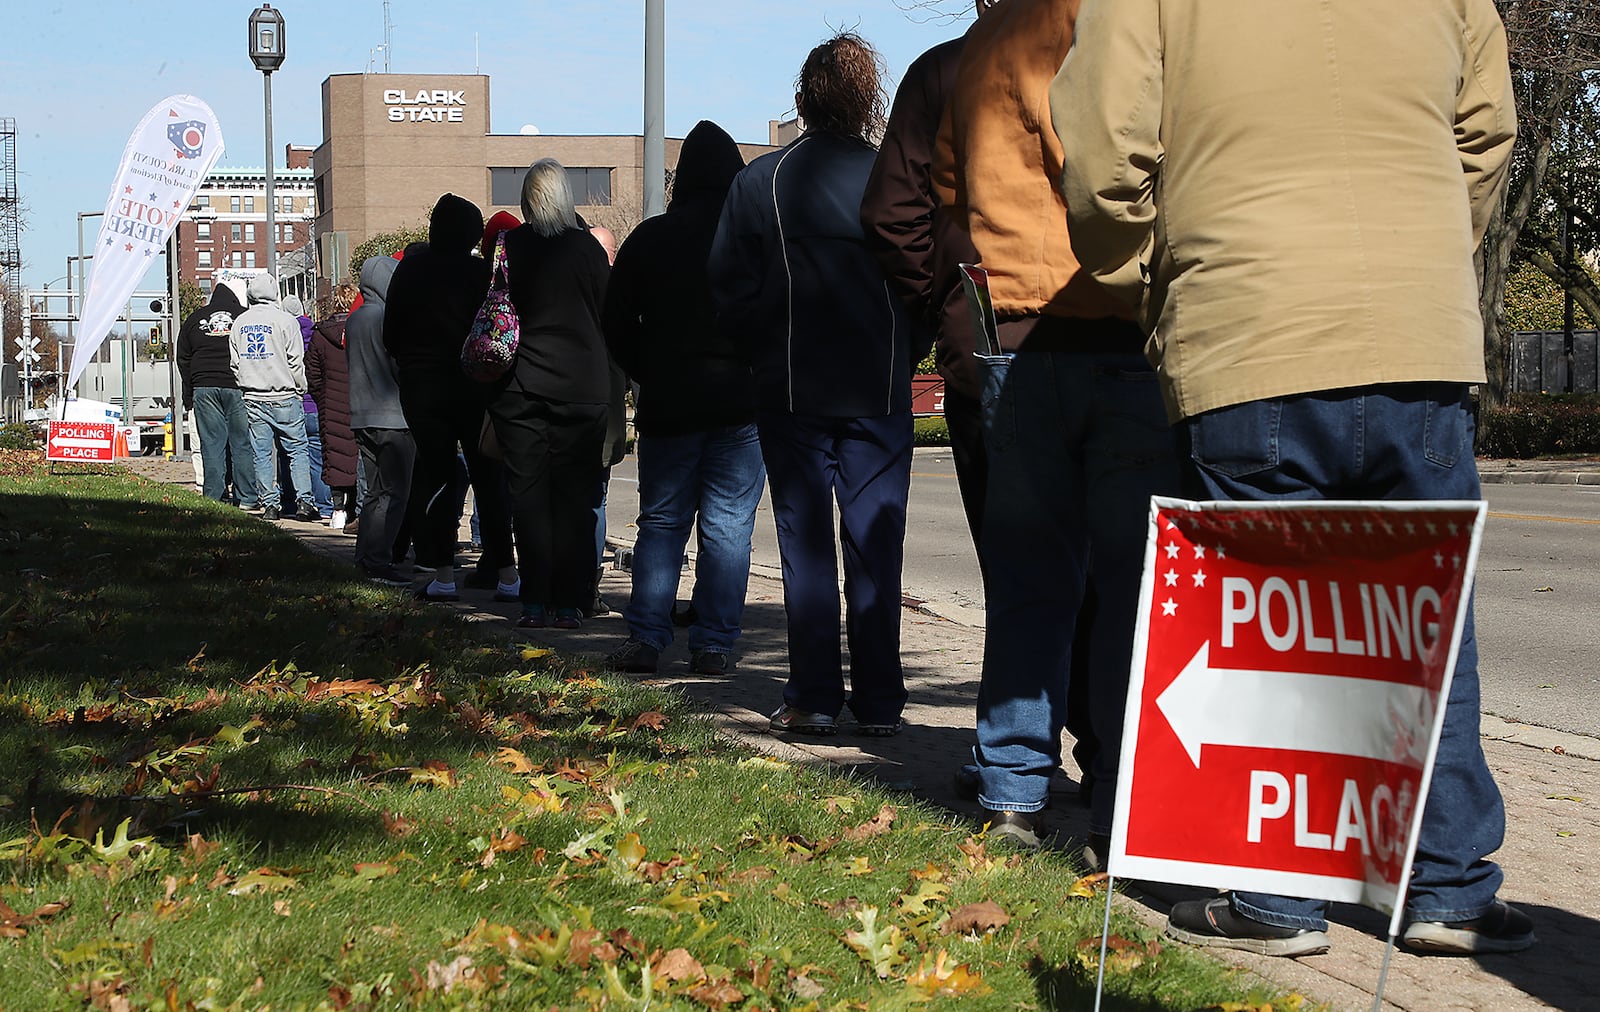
<point>386,575</point>
<point>271,513</point>
<point>1503,929</point>
<point>708,662</point>
<point>635,657</point>
<point>1214,923</point>
<point>1016,829</point>
<point>1096,851</point>
<point>968,782</point>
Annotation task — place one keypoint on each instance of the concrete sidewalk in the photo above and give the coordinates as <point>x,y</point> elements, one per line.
<point>1551,783</point>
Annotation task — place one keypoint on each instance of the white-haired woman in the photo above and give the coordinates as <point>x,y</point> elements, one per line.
<point>549,412</point>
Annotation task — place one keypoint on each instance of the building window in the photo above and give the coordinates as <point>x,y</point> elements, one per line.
<point>205,258</point>
<point>236,230</point>
<point>250,232</point>
<point>202,230</point>
<point>233,205</point>
<point>590,187</point>
<point>250,258</point>
<point>249,205</point>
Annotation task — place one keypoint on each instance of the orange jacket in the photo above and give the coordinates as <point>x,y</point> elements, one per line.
<point>998,163</point>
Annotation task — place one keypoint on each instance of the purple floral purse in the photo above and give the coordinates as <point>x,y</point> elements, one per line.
<point>491,344</point>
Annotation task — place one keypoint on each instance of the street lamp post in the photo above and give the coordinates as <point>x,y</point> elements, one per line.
<point>266,51</point>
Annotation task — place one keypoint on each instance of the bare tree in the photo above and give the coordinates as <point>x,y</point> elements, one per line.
<point>1555,62</point>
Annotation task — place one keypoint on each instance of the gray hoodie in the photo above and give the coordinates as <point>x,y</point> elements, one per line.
<point>265,347</point>
<point>374,393</point>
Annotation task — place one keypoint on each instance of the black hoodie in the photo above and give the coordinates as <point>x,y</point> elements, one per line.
<point>659,319</point>
<point>203,344</point>
<point>435,294</point>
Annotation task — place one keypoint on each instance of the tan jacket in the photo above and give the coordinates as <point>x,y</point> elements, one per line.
<point>1296,190</point>
<point>997,160</point>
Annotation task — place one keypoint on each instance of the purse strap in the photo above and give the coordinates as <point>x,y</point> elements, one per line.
<point>500,279</point>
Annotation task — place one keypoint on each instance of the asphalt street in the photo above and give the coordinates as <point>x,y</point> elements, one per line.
<point>1537,595</point>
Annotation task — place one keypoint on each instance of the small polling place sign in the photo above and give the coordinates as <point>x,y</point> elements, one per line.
<point>1289,672</point>
<point>81,441</point>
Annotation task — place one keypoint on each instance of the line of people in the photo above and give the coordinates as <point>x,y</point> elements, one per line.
<point>1209,279</point>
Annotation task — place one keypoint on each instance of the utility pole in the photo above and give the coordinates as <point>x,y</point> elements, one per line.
<point>655,107</point>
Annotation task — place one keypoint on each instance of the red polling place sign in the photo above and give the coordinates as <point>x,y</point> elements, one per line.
<point>1285,701</point>
<point>81,441</point>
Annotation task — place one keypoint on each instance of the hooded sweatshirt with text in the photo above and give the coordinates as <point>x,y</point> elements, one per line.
<point>265,347</point>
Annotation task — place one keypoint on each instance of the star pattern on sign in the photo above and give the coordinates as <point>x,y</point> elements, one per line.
<point>1171,577</point>
<point>1169,607</point>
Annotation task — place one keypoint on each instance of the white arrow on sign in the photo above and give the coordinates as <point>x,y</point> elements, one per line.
<point>89,444</point>
<point>1295,712</point>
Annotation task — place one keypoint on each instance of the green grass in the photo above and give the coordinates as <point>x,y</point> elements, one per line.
<point>232,776</point>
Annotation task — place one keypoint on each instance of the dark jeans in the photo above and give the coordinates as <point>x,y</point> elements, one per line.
<point>552,462</point>
<point>224,429</point>
<point>706,480</point>
<point>864,463</point>
<point>387,459</point>
<point>447,420</point>
<point>1394,441</point>
<point>1078,443</point>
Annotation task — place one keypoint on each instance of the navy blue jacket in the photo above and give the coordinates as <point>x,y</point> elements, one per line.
<point>791,274</point>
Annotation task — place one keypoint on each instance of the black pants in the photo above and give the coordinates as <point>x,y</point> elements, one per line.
<point>442,418</point>
<point>388,456</point>
<point>552,453</point>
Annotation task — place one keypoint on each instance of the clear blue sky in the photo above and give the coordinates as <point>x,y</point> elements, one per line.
<point>78,76</point>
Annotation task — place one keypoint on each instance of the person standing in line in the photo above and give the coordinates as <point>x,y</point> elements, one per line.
<point>699,455</point>
<point>379,422</point>
<point>1316,220</point>
<point>833,352</point>
<point>1076,438</point>
<point>328,380</point>
<point>320,492</point>
<point>212,392</point>
<point>433,298</point>
<point>265,352</point>
<point>549,410</point>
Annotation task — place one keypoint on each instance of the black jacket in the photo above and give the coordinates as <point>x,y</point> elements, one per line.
<point>557,285</point>
<point>918,245</point>
<point>435,294</point>
<point>203,359</point>
<point>791,275</point>
<point>660,322</point>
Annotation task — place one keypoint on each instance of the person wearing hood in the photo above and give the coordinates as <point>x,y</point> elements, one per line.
<point>212,394</point>
<point>433,298</point>
<point>320,493</point>
<point>549,410</point>
<point>266,352</point>
<point>328,380</point>
<point>699,456</point>
<point>379,422</point>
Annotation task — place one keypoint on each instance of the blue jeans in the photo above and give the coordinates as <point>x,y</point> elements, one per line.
<point>282,422</point>
<point>1078,442</point>
<point>864,463</point>
<point>719,476</point>
<point>224,427</point>
<point>1395,441</point>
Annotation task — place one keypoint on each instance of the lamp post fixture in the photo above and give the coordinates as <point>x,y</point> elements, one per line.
<point>266,52</point>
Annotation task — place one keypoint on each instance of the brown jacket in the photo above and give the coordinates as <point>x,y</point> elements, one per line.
<point>997,162</point>
<point>1294,191</point>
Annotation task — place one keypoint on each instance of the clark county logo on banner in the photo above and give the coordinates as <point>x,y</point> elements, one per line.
<point>166,159</point>
<point>1289,674</point>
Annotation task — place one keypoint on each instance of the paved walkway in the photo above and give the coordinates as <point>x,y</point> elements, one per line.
<point>1551,783</point>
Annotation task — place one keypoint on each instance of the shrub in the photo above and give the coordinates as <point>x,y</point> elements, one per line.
<point>17,436</point>
<point>930,432</point>
<point>1534,425</point>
